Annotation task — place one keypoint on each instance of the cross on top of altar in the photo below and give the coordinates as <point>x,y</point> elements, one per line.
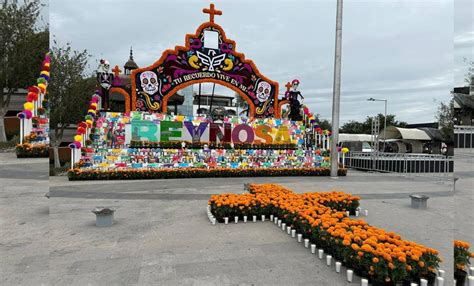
<point>211,11</point>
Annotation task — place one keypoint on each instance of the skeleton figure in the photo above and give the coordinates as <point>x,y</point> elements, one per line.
<point>103,66</point>
<point>263,91</point>
<point>149,82</point>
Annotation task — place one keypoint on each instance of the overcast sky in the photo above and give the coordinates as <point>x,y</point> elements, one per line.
<point>408,52</point>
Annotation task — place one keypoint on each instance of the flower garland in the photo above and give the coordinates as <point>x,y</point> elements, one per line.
<point>84,126</point>
<point>383,257</point>
<point>138,174</point>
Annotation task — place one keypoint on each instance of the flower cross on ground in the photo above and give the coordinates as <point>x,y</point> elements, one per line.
<point>381,256</point>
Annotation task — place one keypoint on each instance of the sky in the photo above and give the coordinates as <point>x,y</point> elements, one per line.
<point>407,52</point>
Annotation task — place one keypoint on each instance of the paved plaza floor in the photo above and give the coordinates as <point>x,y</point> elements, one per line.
<point>162,235</point>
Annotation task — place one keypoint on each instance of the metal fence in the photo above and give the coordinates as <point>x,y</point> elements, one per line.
<point>463,136</point>
<point>416,164</point>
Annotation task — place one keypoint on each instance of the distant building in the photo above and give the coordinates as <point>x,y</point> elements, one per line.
<point>464,105</point>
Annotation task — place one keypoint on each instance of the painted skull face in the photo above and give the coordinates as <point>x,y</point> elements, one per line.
<point>149,82</point>
<point>263,91</point>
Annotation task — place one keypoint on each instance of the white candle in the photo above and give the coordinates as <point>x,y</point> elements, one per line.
<point>338,266</point>
<point>328,259</point>
<point>471,280</point>
<point>349,275</point>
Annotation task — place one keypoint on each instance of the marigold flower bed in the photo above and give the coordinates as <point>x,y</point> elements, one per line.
<point>173,173</point>
<point>383,257</point>
<point>28,150</point>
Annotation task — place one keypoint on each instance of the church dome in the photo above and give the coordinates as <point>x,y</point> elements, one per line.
<point>130,64</point>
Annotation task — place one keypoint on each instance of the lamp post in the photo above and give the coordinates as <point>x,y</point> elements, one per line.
<point>384,119</point>
<point>336,96</point>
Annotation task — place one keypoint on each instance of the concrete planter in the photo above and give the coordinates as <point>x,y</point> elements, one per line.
<point>419,201</point>
<point>104,216</point>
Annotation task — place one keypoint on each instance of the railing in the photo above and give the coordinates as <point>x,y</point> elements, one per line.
<point>409,164</point>
<point>463,136</point>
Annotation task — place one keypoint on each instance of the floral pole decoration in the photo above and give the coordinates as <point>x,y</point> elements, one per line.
<point>35,99</point>
<point>381,256</point>
<point>83,128</point>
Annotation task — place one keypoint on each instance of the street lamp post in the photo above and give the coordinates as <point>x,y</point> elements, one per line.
<point>336,97</point>
<point>384,119</point>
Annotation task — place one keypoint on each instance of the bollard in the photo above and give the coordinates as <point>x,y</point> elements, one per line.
<point>441,273</point>
<point>300,236</point>
<point>245,218</point>
<point>413,284</point>
<point>471,270</point>
<point>275,220</point>
<point>350,273</point>
<point>306,242</point>
<point>263,217</point>
<point>313,248</point>
<point>283,226</point>
<point>348,213</point>
<point>439,281</point>
<point>103,216</point>
<point>236,219</point>
<point>364,282</point>
<point>226,220</point>
<point>279,222</point>
<point>328,260</point>
<point>357,213</point>
<point>423,282</point>
<point>293,233</point>
<point>320,253</point>
<point>288,230</point>
<point>366,212</point>
<point>271,217</point>
<point>338,266</point>
<point>254,218</point>
<point>419,201</point>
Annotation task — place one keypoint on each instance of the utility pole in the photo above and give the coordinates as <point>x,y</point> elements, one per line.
<point>336,96</point>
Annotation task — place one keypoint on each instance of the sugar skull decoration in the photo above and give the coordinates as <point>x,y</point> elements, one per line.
<point>104,77</point>
<point>263,91</point>
<point>149,82</point>
<point>218,114</point>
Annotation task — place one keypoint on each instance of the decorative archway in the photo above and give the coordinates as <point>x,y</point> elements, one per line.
<point>125,94</point>
<point>208,56</point>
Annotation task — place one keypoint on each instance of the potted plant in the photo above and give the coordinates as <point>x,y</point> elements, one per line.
<point>461,260</point>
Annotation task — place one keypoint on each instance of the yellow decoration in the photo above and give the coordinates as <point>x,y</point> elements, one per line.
<point>42,85</point>
<point>28,106</point>
<point>78,138</point>
<point>345,150</point>
<point>228,64</point>
<point>193,60</point>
